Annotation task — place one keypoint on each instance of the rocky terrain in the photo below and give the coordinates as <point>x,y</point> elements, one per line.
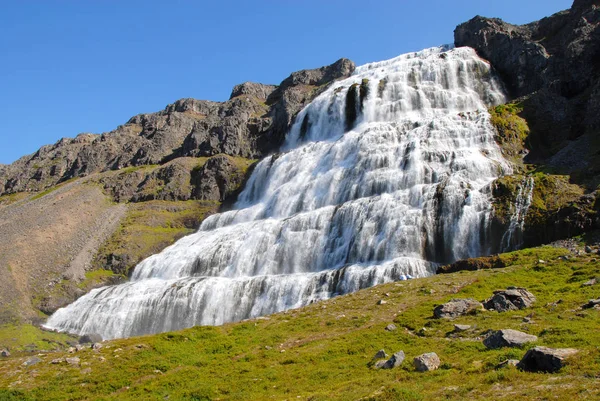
<point>551,70</point>
<point>84,211</point>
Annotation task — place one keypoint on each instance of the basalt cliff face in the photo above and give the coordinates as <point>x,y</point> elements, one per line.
<point>551,69</point>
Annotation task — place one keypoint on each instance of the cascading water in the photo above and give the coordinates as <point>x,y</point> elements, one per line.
<point>513,237</point>
<point>384,176</point>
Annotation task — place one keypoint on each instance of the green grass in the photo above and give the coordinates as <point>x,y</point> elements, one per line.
<point>512,130</point>
<point>148,228</point>
<point>324,351</point>
<point>25,337</point>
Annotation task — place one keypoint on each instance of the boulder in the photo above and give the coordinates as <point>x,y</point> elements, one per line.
<point>461,327</point>
<point>427,362</point>
<point>390,327</point>
<point>73,361</point>
<point>395,361</point>
<point>508,338</point>
<point>90,338</point>
<point>591,303</point>
<point>544,359</point>
<point>380,354</point>
<point>32,361</point>
<point>457,307</point>
<point>513,298</point>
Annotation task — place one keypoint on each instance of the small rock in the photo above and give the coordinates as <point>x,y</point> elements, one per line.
<point>71,350</point>
<point>90,338</point>
<point>508,338</point>
<point>96,346</point>
<point>526,319</point>
<point>4,353</point>
<point>79,347</point>
<point>544,359</point>
<point>86,370</point>
<point>427,362</point>
<point>380,364</point>
<point>395,361</point>
<point>380,354</point>
<point>591,282</point>
<point>390,327</point>
<point>32,361</point>
<point>541,262</point>
<point>73,361</point>
<point>387,294</point>
<point>267,347</point>
<point>461,327</point>
<point>57,361</point>
<point>509,362</point>
<point>588,249</point>
<point>591,303</point>
<point>512,298</point>
<point>381,302</point>
<point>457,307</point>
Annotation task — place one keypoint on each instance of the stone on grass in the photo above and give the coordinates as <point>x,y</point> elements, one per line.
<point>381,302</point>
<point>588,249</point>
<point>57,361</point>
<point>96,346</point>
<point>380,354</point>
<point>380,364</point>
<point>90,338</point>
<point>79,347</point>
<point>73,361</point>
<point>508,338</point>
<point>32,361</point>
<point>591,303</point>
<point>512,298</point>
<point>4,353</point>
<point>461,327</point>
<point>457,307</point>
<point>427,362</point>
<point>508,362</point>
<point>390,327</point>
<point>395,361</point>
<point>544,359</point>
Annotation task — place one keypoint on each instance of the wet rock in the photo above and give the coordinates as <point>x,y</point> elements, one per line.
<point>513,298</point>
<point>4,353</point>
<point>390,327</point>
<point>457,307</point>
<point>508,338</point>
<point>90,338</point>
<point>427,362</point>
<point>32,361</point>
<point>544,359</point>
<point>73,361</point>
<point>591,303</point>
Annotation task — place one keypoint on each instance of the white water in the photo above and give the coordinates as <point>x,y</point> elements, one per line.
<point>513,237</point>
<point>407,188</point>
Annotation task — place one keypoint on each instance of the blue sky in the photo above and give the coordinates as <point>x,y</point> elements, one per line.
<point>87,66</point>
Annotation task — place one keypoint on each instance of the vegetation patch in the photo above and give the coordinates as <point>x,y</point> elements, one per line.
<point>511,130</point>
<point>148,228</point>
<point>27,338</point>
<point>324,351</point>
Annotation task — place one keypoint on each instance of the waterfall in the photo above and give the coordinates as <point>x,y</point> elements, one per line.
<point>513,237</point>
<point>383,176</point>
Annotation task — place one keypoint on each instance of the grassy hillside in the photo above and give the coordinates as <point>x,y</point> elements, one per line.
<point>324,351</point>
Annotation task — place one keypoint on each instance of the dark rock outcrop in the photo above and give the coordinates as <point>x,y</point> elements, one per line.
<point>544,359</point>
<point>90,338</point>
<point>481,263</point>
<point>457,307</point>
<point>553,65</point>
<point>513,298</point>
<point>251,124</point>
<point>508,338</point>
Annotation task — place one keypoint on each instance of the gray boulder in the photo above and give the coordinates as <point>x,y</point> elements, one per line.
<point>380,354</point>
<point>508,338</point>
<point>461,327</point>
<point>391,327</point>
<point>90,338</point>
<point>427,362</point>
<point>457,307</point>
<point>513,298</point>
<point>544,359</point>
<point>395,361</point>
<point>32,361</point>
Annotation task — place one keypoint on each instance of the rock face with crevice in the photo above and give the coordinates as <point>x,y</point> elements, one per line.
<point>251,124</point>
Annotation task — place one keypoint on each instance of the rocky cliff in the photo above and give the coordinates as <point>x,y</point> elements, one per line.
<point>551,69</point>
<point>84,211</point>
